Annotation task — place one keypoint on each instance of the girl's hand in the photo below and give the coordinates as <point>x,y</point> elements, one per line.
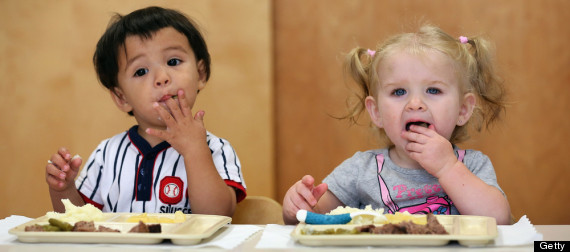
<point>432,151</point>
<point>302,195</point>
<point>61,170</point>
<point>183,132</point>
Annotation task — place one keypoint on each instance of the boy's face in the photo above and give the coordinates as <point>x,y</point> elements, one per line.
<point>153,70</point>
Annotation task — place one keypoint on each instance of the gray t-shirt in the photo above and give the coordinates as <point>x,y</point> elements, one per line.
<point>356,183</point>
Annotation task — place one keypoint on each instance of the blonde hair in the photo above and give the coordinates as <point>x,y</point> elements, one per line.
<point>474,65</point>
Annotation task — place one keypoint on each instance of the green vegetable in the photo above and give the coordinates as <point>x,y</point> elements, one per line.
<point>51,228</point>
<point>64,226</point>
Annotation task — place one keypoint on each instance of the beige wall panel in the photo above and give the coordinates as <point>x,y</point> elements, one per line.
<point>529,149</point>
<point>50,96</point>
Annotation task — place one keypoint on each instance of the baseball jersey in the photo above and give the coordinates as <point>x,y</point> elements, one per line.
<point>126,174</point>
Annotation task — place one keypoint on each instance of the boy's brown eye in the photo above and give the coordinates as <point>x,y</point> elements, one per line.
<point>141,72</point>
<point>173,62</point>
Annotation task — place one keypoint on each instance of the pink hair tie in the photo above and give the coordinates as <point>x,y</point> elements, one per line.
<point>463,39</point>
<point>371,52</point>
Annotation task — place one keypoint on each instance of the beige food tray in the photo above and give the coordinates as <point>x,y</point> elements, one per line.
<point>192,231</point>
<point>465,229</point>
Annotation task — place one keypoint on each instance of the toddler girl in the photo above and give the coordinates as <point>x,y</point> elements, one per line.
<point>423,91</point>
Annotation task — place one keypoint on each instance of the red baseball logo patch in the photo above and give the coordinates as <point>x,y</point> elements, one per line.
<point>171,190</point>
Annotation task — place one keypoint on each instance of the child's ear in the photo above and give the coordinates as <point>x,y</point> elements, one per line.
<point>201,74</point>
<point>373,111</point>
<point>120,100</point>
<point>466,110</point>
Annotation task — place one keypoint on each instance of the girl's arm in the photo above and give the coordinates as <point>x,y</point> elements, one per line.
<point>469,193</point>
<point>472,196</point>
<point>304,195</point>
<point>327,203</point>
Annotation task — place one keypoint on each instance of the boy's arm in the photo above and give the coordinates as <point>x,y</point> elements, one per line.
<point>207,191</point>
<point>473,196</point>
<point>72,194</point>
<point>61,171</point>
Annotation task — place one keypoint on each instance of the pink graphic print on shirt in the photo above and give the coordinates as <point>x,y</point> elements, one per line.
<point>434,204</point>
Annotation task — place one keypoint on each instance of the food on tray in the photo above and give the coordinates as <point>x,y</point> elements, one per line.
<point>88,226</point>
<point>144,228</point>
<point>56,225</point>
<point>41,228</point>
<point>179,217</point>
<point>362,219</point>
<point>107,229</point>
<point>382,219</point>
<point>114,229</point>
<point>64,226</point>
<point>74,213</point>
<point>419,219</point>
<point>432,226</point>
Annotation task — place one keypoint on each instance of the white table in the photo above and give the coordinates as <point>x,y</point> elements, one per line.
<point>550,232</point>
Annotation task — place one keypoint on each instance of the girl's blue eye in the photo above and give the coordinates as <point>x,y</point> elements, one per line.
<point>399,92</point>
<point>173,62</point>
<point>141,72</point>
<point>433,91</point>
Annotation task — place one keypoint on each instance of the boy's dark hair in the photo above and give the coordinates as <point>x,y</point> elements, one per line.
<point>143,22</point>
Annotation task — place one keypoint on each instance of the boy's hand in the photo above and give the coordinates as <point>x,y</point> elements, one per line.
<point>432,151</point>
<point>61,170</point>
<point>302,195</point>
<point>183,132</point>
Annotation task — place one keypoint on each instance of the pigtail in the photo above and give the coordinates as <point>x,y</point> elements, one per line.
<point>486,84</point>
<point>358,66</point>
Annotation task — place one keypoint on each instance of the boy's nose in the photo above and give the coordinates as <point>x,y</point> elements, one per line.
<point>162,78</point>
<point>161,82</point>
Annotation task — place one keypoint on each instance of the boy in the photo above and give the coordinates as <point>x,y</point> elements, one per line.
<point>154,62</point>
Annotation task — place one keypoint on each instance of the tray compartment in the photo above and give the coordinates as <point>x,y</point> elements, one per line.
<point>467,230</point>
<point>192,231</point>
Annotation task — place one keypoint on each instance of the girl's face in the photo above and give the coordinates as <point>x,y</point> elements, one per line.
<point>153,70</point>
<point>416,88</point>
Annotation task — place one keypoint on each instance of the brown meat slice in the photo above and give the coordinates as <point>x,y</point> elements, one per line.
<point>154,228</point>
<point>84,226</point>
<point>408,227</point>
<point>107,229</point>
<point>434,225</point>
<point>34,228</point>
<point>139,228</point>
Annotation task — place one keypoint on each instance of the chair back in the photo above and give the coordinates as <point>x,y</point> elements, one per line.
<point>258,210</point>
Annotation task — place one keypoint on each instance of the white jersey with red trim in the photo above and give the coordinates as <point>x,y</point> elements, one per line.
<point>126,174</point>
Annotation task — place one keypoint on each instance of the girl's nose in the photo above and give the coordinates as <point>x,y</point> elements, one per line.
<point>416,103</point>
<point>162,78</point>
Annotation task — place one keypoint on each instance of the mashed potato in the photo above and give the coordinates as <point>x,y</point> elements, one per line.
<point>74,213</point>
<point>382,219</point>
<point>362,219</point>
